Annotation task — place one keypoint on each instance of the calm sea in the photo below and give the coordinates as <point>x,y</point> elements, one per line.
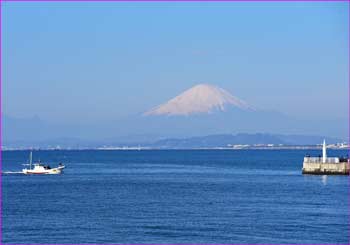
<point>174,196</point>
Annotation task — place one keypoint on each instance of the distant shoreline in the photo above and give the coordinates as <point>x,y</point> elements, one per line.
<point>301,147</point>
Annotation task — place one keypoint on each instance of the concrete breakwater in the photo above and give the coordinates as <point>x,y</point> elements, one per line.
<point>326,165</point>
<point>340,168</point>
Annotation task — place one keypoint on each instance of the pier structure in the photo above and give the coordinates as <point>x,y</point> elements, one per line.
<point>326,165</point>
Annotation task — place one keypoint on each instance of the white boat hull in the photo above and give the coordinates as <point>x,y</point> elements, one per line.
<point>58,170</point>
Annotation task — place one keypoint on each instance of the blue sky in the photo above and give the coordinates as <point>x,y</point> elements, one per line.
<point>91,62</point>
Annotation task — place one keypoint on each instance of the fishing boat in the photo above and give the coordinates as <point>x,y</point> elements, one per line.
<point>39,168</point>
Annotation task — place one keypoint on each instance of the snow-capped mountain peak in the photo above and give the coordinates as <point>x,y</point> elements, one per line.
<point>202,98</point>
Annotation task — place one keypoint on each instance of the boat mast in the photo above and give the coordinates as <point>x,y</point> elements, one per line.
<point>30,159</point>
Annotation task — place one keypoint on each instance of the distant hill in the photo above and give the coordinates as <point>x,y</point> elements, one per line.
<point>224,140</point>
<point>210,141</point>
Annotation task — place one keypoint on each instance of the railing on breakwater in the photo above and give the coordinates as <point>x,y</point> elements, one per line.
<point>328,160</point>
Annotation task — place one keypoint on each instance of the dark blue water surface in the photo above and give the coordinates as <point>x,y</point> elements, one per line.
<point>174,196</point>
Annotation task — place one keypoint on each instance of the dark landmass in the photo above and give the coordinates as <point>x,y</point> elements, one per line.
<point>235,141</point>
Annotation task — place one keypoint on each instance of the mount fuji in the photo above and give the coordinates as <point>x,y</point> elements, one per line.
<point>197,112</point>
<point>202,98</point>
<point>202,110</point>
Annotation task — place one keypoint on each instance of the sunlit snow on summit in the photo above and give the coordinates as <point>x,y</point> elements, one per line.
<point>202,98</point>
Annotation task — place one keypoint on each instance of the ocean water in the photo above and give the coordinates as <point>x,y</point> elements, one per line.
<point>174,196</point>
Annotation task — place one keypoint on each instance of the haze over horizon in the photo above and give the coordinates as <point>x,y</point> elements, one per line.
<point>102,63</point>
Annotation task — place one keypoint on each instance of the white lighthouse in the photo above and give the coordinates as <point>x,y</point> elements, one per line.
<point>324,152</point>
